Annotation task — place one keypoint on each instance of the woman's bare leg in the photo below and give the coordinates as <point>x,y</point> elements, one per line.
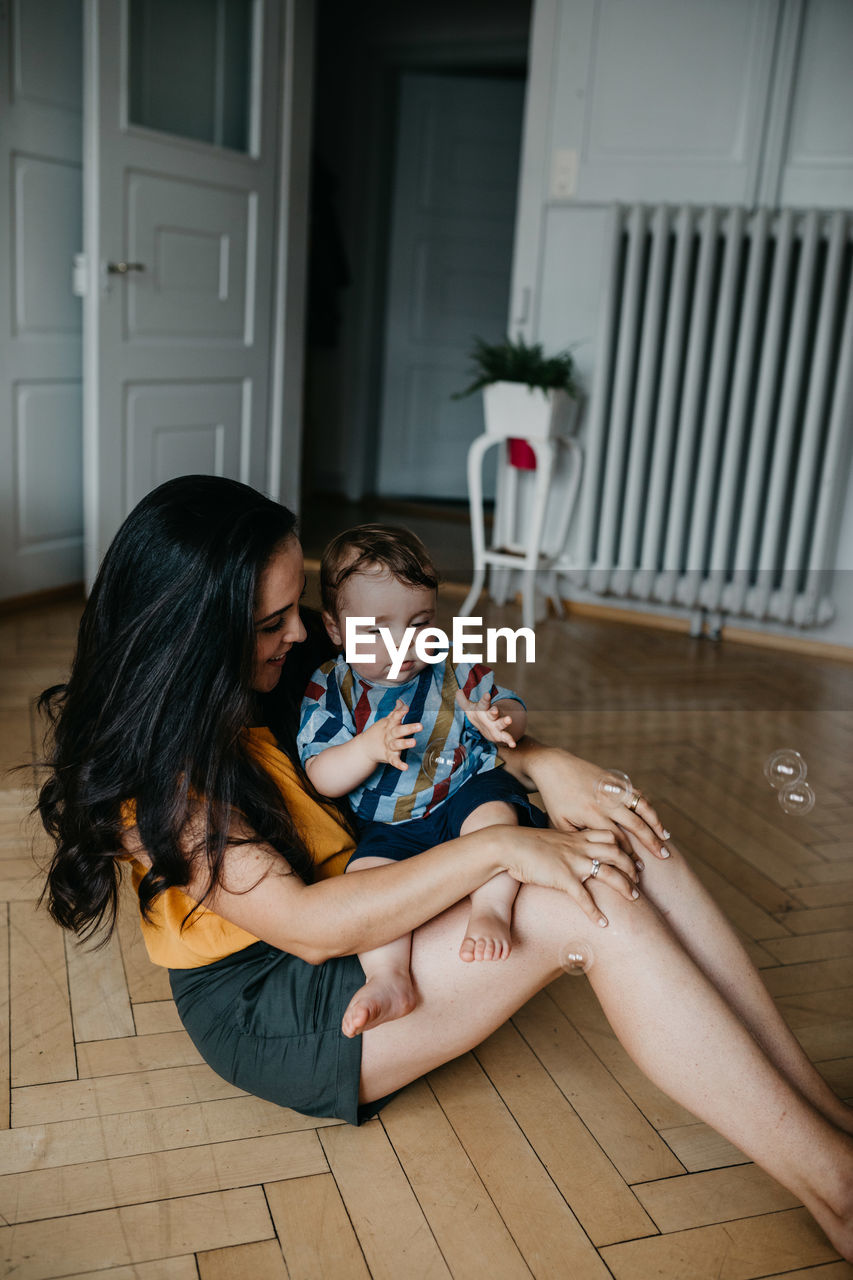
<point>488,933</point>
<point>388,991</point>
<point>707,936</point>
<point>671,1019</point>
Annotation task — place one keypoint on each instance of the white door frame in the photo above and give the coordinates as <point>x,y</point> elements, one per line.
<point>291,230</point>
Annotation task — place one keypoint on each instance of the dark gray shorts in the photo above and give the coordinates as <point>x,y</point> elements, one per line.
<point>270,1023</point>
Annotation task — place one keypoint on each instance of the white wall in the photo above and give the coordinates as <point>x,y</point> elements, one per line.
<point>696,101</point>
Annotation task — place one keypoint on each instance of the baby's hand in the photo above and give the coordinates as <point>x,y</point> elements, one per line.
<point>386,738</point>
<point>487,719</point>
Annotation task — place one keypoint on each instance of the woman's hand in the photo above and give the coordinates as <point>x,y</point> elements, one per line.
<point>388,737</point>
<point>568,786</point>
<point>571,862</point>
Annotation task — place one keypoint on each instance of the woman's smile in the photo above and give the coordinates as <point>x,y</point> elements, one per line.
<point>278,626</point>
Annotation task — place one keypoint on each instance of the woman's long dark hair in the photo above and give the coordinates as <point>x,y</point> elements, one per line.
<point>158,697</point>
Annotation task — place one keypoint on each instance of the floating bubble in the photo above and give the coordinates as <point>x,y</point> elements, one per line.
<point>784,767</point>
<point>440,759</point>
<point>614,788</point>
<point>576,958</point>
<point>797,797</point>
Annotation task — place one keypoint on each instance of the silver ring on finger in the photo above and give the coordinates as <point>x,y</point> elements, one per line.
<point>635,800</point>
<point>596,867</point>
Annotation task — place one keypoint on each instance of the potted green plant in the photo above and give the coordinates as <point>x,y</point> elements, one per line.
<point>525,393</point>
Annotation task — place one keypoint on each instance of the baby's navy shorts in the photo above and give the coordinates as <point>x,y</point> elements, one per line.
<point>400,840</point>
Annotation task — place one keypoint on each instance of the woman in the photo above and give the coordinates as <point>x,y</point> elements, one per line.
<point>163,754</point>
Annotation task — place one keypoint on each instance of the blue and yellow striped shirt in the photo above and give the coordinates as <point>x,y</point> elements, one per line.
<point>338,704</point>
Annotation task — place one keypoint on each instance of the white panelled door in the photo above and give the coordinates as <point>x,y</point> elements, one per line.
<point>180,175</point>
<point>41,497</point>
<point>453,217</point>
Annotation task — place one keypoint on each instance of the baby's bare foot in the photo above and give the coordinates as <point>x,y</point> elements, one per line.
<point>488,935</point>
<point>384,997</point>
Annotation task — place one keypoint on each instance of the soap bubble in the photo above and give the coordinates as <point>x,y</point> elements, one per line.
<point>440,759</point>
<point>784,767</point>
<point>786,771</point>
<point>797,797</point>
<point>614,788</point>
<point>576,958</point>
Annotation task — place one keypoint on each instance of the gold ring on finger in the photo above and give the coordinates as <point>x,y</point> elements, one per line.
<point>635,800</point>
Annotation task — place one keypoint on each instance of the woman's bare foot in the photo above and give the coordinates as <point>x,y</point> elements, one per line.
<point>384,997</point>
<point>488,934</point>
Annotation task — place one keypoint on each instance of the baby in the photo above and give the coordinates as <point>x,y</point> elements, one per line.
<point>352,737</point>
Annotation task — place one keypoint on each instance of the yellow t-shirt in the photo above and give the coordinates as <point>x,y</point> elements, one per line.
<point>206,936</point>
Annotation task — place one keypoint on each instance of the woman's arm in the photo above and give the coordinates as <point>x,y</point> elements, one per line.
<point>567,785</point>
<point>365,909</point>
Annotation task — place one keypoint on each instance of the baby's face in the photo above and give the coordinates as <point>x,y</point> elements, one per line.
<point>375,593</point>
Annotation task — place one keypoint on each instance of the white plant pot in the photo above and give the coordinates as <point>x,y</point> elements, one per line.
<point>513,409</point>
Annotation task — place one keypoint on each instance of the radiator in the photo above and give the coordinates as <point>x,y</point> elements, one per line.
<point>720,412</point>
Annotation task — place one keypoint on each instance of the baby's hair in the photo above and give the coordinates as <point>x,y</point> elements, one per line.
<point>389,546</point>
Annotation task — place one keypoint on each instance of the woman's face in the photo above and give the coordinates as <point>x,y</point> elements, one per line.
<point>277,621</point>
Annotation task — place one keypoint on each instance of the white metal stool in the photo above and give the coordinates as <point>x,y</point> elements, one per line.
<point>547,439</point>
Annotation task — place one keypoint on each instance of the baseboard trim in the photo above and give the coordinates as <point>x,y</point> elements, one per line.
<point>630,617</point>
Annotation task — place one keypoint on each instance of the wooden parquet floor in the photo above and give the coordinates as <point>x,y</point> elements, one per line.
<point>545,1152</point>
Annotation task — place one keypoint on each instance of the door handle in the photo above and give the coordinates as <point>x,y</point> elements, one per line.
<point>524,310</point>
<point>122,268</point>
